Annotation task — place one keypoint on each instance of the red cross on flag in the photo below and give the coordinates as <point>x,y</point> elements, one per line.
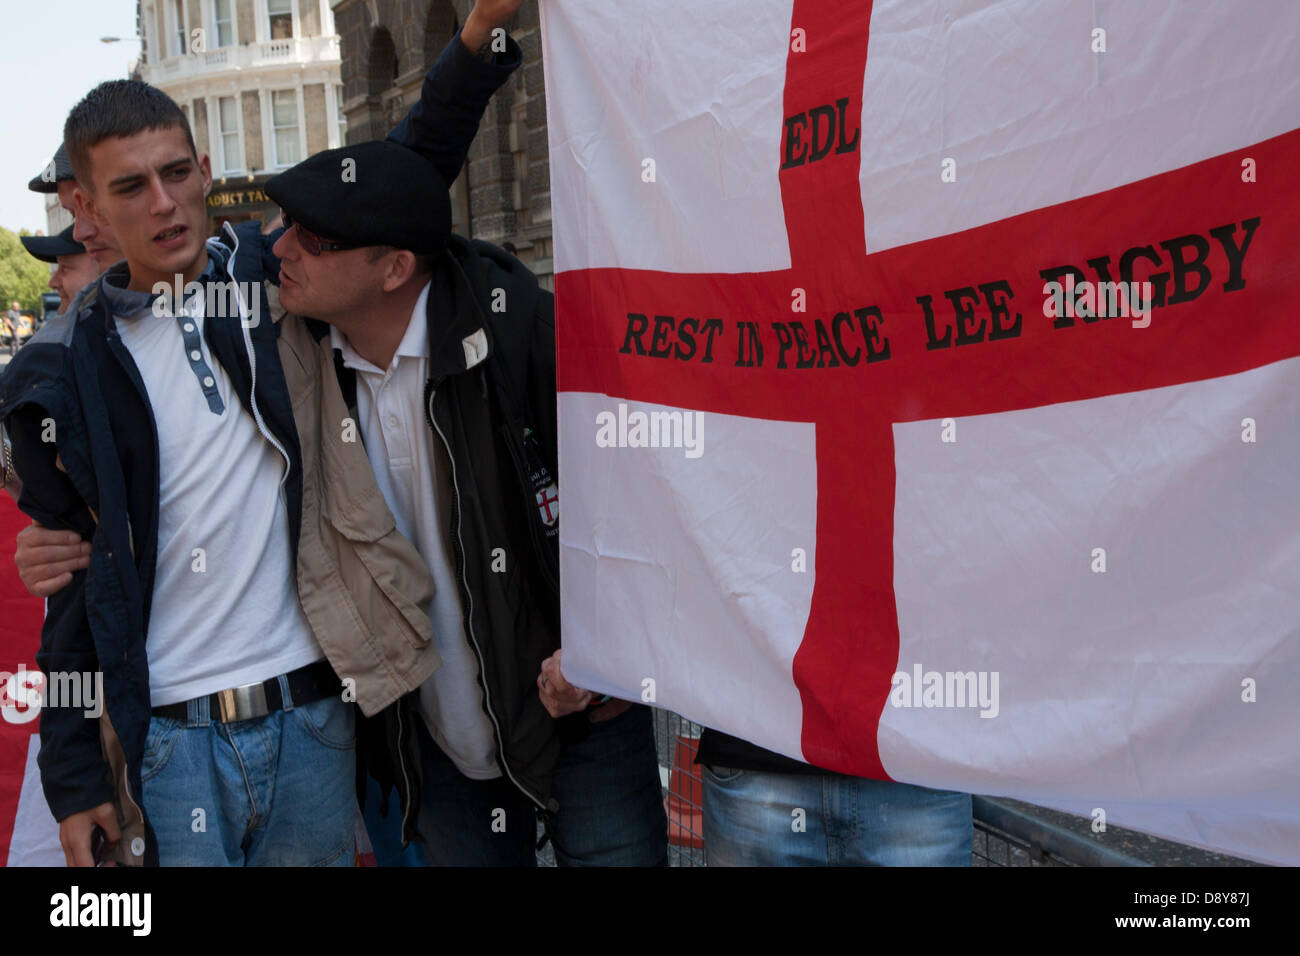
<point>930,390</point>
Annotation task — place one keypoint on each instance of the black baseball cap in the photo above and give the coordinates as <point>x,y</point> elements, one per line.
<point>60,169</point>
<point>49,248</point>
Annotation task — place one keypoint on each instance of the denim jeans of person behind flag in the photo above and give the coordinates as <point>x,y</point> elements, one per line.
<point>607,786</point>
<point>277,790</point>
<point>755,818</point>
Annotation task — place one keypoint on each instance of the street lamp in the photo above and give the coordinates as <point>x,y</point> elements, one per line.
<point>133,66</point>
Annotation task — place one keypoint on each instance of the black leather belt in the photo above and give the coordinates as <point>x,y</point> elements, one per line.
<point>306,684</point>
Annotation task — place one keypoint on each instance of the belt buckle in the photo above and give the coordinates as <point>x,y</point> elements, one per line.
<point>242,703</point>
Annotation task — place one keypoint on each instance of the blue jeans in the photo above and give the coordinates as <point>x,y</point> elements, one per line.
<point>385,832</point>
<point>752,818</point>
<point>278,790</point>
<point>607,786</point>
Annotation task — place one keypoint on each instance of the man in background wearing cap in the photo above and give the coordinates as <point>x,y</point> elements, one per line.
<point>74,269</point>
<point>52,556</point>
<point>96,238</point>
<point>445,352</point>
<point>229,462</point>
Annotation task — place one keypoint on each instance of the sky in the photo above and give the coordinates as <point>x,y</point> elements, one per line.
<point>52,57</point>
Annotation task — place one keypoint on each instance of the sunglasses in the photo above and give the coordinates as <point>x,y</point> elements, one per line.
<point>312,243</point>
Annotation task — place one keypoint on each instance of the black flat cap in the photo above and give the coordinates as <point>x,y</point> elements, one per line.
<point>371,194</point>
<point>49,248</point>
<point>60,169</point>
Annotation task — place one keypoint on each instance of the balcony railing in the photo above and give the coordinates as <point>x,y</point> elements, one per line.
<point>251,56</point>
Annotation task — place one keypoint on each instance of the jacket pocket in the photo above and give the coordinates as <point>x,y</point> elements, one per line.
<point>396,587</point>
<point>159,744</point>
<point>330,721</point>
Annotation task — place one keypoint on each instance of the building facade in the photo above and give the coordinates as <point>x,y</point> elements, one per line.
<point>259,81</point>
<point>503,194</point>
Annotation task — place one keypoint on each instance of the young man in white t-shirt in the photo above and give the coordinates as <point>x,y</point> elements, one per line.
<point>248,754</point>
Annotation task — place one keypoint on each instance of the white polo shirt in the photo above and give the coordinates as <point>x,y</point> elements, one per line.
<point>225,608</point>
<point>412,470</point>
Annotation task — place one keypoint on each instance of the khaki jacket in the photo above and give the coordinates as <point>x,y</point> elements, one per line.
<point>364,588</point>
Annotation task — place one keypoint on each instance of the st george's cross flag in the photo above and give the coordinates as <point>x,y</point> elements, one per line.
<point>930,390</point>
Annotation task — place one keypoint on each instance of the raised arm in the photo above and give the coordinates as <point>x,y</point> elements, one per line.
<point>441,126</point>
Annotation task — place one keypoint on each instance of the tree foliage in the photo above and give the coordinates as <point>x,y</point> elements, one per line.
<point>22,277</point>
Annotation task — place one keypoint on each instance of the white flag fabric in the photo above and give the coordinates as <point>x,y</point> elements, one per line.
<point>930,391</point>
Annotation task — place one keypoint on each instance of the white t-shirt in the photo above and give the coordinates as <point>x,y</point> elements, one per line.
<point>406,456</point>
<point>225,608</point>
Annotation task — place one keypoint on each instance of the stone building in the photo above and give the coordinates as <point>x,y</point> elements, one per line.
<point>259,81</point>
<point>504,192</point>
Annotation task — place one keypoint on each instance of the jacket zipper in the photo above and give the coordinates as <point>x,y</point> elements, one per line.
<point>406,780</point>
<point>469,611</point>
<point>252,361</point>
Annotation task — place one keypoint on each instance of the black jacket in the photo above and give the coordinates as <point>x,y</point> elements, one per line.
<point>490,401</point>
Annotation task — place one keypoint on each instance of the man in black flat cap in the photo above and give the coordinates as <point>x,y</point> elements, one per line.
<point>445,352</point>
<point>74,268</point>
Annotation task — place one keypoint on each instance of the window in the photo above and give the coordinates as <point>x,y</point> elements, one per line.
<point>228,130</point>
<point>179,37</point>
<point>284,126</point>
<point>224,18</point>
<point>341,118</point>
<point>280,14</point>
